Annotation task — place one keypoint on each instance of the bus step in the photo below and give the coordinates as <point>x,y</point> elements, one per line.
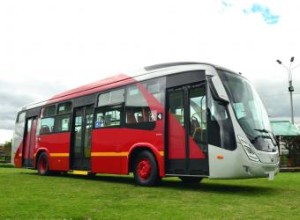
<point>80,172</point>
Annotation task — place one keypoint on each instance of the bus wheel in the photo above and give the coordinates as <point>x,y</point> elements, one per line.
<point>43,165</point>
<point>190,179</point>
<point>146,169</point>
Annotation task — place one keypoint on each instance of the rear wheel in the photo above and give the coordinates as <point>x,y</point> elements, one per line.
<point>146,169</point>
<point>43,165</point>
<point>190,179</point>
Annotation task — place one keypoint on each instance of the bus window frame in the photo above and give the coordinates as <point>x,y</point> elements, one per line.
<point>107,108</point>
<point>61,117</point>
<point>110,91</point>
<point>55,116</point>
<point>64,112</point>
<point>212,99</point>
<point>145,125</point>
<point>51,131</point>
<point>48,106</point>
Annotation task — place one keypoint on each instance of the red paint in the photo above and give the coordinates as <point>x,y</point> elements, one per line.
<point>18,156</point>
<point>176,141</point>
<point>101,85</point>
<point>122,140</point>
<point>195,150</point>
<point>56,143</point>
<point>176,138</point>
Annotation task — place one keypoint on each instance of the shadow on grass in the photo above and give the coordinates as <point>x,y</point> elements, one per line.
<point>221,187</point>
<point>106,178</point>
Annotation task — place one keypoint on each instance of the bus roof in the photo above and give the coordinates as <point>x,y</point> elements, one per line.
<point>122,79</point>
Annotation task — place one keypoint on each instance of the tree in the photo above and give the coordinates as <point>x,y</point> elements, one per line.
<point>7,150</point>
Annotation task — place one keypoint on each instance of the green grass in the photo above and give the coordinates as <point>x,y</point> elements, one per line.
<point>26,195</point>
<point>6,165</point>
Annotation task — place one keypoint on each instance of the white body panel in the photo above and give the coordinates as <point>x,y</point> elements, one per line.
<point>236,164</point>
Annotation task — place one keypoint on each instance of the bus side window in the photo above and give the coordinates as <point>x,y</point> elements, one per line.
<point>221,132</point>
<point>130,117</point>
<point>198,114</point>
<point>108,117</point>
<point>62,123</point>
<point>48,119</point>
<point>99,122</point>
<point>47,125</point>
<point>138,114</point>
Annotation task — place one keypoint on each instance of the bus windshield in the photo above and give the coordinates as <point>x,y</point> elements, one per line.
<point>249,110</point>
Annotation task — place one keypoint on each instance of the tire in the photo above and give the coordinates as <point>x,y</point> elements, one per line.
<point>91,175</point>
<point>43,165</point>
<point>146,169</point>
<point>190,179</point>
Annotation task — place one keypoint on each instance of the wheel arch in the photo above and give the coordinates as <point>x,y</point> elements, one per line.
<point>39,152</point>
<point>137,148</point>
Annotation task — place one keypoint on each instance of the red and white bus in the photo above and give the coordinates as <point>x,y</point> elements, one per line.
<point>189,120</point>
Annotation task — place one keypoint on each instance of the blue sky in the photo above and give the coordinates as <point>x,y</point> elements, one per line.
<point>50,46</point>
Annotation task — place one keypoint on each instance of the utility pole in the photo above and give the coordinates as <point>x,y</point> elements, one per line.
<point>290,80</point>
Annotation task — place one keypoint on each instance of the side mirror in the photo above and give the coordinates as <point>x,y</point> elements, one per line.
<point>218,90</point>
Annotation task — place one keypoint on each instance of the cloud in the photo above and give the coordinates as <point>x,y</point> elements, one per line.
<point>266,13</point>
<point>276,98</point>
<point>14,95</point>
<point>226,4</point>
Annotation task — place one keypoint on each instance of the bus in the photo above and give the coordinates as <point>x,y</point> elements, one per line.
<point>187,119</point>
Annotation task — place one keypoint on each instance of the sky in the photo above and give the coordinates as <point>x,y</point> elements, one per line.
<point>47,47</point>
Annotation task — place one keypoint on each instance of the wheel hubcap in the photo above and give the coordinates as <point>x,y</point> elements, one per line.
<point>144,169</point>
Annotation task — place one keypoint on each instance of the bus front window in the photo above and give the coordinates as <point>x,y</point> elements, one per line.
<point>249,110</point>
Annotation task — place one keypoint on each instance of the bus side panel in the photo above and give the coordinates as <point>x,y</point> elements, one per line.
<point>231,164</point>
<point>58,145</point>
<point>106,150</point>
<point>110,147</point>
<point>158,114</point>
<point>18,156</point>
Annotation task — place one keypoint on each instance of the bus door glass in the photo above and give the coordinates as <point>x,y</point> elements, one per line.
<point>81,138</point>
<point>187,136</point>
<point>29,142</point>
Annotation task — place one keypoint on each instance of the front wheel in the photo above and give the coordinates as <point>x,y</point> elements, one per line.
<point>43,165</point>
<point>146,169</point>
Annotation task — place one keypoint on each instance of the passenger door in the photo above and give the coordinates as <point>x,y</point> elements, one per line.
<point>186,130</point>
<point>82,138</point>
<point>29,142</point>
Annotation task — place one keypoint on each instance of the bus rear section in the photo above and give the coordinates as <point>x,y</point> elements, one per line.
<point>25,139</point>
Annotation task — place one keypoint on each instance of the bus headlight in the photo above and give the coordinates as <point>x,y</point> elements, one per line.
<point>249,150</point>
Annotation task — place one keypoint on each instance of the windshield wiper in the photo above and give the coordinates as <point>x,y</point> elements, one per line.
<point>262,130</point>
<point>271,135</point>
<point>260,136</point>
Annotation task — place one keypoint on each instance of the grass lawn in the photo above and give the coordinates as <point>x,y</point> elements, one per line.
<point>26,195</point>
